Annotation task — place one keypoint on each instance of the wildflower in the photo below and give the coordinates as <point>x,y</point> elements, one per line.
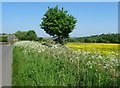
<point>77,58</point>
<point>90,67</point>
<point>100,56</point>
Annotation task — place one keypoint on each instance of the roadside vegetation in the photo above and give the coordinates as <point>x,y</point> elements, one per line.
<point>30,35</point>
<point>3,39</point>
<point>35,64</point>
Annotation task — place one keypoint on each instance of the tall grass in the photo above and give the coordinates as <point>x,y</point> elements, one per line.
<point>61,66</point>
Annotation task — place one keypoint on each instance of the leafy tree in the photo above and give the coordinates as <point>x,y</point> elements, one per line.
<point>39,39</point>
<point>31,35</point>
<point>58,24</point>
<point>87,40</point>
<point>17,34</point>
<point>3,33</point>
<point>21,35</point>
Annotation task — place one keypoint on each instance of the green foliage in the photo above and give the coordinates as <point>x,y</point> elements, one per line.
<point>3,33</point>
<point>103,38</point>
<point>86,40</point>
<point>46,40</point>
<point>44,69</point>
<point>39,39</point>
<point>3,39</point>
<point>21,35</point>
<point>58,23</point>
<point>30,35</point>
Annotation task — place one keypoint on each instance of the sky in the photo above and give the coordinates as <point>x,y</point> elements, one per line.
<point>93,18</point>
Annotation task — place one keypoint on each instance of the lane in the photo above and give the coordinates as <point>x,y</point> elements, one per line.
<point>0,66</point>
<point>7,65</point>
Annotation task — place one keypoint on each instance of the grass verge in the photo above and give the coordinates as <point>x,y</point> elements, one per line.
<point>60,66</point>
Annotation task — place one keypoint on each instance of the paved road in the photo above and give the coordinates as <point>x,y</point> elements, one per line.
<point>6,64</point>
<point>0,66</point>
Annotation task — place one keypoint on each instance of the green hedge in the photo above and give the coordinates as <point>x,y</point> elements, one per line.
<point>3,39</point>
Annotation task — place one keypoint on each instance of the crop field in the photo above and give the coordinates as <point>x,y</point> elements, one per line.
<point>74,64</point>
<point>105,48</point>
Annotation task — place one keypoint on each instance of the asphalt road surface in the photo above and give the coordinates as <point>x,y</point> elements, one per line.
<point>6,64</point>
<point>0,66</point>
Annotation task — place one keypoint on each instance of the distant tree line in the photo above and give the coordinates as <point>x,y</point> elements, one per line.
<point>29,35</point>
<point>103,38</point>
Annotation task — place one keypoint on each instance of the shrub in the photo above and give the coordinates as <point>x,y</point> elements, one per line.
<point>39,39</point>
<point>3,39</point>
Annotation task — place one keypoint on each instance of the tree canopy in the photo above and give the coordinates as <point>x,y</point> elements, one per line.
<point>58,24</point>
<point>30,35</point>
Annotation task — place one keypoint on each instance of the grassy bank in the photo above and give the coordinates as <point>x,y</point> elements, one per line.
<point>46,67</point>
<point>35,64</point>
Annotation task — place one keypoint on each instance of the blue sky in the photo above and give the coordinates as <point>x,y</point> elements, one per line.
<point>93,17</point>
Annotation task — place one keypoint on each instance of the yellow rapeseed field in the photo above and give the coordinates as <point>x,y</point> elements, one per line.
<point>105,48</point>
